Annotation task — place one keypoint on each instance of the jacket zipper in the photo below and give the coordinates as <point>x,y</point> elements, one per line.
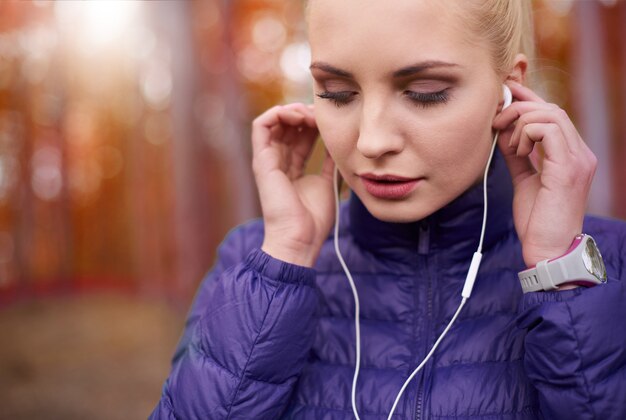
<point>423,249</point>
<point>423,242</point>
<point>418,410</point>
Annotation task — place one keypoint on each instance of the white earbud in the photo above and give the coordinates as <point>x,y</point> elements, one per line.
<point>508,96</point>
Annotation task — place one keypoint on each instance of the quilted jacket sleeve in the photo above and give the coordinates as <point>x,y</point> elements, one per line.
<point>245,342</point>
<point>575,347</point>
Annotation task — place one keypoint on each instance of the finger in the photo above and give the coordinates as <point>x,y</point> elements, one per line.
<point>304,110</point>
<point>270,144</point>
<point>296,136</point>
<point>270,126</point>
<point>294,118</point>
<point>307,139</point>
<point>569,168</point>
<point>273,125</point>
<point>557,116</point>
<point>277,132</point>
<point>305,135</point>
<point>301,145</point>
<point>300,138</point>
<point>509,115</point>
<point>536,157</point>
<point>520,167</point>
<point>293,114</point>
<point>283,139</point>
<point>550,136</point>
<point>261,129</point>
<point>523,93</point>
<point>526,101</point>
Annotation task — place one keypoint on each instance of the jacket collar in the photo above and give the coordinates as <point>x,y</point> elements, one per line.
<point>454,229</point>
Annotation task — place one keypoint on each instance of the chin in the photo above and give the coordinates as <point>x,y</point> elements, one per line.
<point>400,211</point>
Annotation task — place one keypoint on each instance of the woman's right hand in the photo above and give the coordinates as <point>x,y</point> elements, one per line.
<point>298,209</point>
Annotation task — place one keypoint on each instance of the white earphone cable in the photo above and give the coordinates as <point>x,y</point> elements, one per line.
<point>482,231</point>
<point>467,288</point>
<point>357,327</point>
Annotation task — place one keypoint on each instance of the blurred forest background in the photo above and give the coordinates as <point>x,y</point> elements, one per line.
<point>125,159</point>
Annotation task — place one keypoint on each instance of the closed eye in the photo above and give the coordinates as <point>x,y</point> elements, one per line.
<point>425,100</point>
<point>338,98</point>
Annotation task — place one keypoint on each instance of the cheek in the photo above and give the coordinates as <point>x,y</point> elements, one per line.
<point>459,148</point>
<point>470,132</point>
<point>477,135</point>
<point>469,140</point>
<point>337,132</point>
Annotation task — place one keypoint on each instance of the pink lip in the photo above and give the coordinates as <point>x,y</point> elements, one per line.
<point>390,187</point>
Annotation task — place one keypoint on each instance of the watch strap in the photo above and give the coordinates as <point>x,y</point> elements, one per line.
<point>569,268</point>
<point>539,278</point>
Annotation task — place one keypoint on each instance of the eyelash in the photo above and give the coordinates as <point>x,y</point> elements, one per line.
<point>338,98</point>
<point>428,99</point>
<point>423,100</point>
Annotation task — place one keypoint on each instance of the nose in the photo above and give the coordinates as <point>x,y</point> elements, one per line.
<point>377,135</point>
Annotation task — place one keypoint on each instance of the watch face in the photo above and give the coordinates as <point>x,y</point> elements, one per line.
<point>593,260</point>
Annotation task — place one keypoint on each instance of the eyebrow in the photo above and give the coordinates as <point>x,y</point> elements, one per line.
<point>422,67</point>
<point>330,69</point>
<point>403,72</point>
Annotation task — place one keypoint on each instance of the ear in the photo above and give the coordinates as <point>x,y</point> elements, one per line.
<point>518,70</point>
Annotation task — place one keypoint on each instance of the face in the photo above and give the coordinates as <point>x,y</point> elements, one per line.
<point>405,95</point>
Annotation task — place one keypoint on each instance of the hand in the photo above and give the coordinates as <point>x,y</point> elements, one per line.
<point>549,205</point>
<point>298,209</point>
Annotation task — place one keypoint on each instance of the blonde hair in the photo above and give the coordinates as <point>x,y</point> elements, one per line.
<point>506,26</point>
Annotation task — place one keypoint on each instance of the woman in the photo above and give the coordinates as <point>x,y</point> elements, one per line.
<point>408,99</point>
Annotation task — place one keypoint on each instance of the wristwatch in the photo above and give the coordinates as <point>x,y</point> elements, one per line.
<point>582,264</point>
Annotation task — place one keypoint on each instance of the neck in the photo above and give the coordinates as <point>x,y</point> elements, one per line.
<point>453,230</point>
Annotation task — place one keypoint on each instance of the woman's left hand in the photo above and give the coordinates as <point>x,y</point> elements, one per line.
<point>549,205</point>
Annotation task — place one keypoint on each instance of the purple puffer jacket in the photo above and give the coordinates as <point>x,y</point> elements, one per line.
<point>268,340</point>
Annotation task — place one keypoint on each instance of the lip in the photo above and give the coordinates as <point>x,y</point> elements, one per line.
<point>389,187</point>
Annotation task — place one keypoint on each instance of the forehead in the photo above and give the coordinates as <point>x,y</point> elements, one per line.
<point>354,32</point>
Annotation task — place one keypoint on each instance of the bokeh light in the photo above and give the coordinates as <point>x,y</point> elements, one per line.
<point>46,177</point>
<point>125,139</point>
<point>98,24</point>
